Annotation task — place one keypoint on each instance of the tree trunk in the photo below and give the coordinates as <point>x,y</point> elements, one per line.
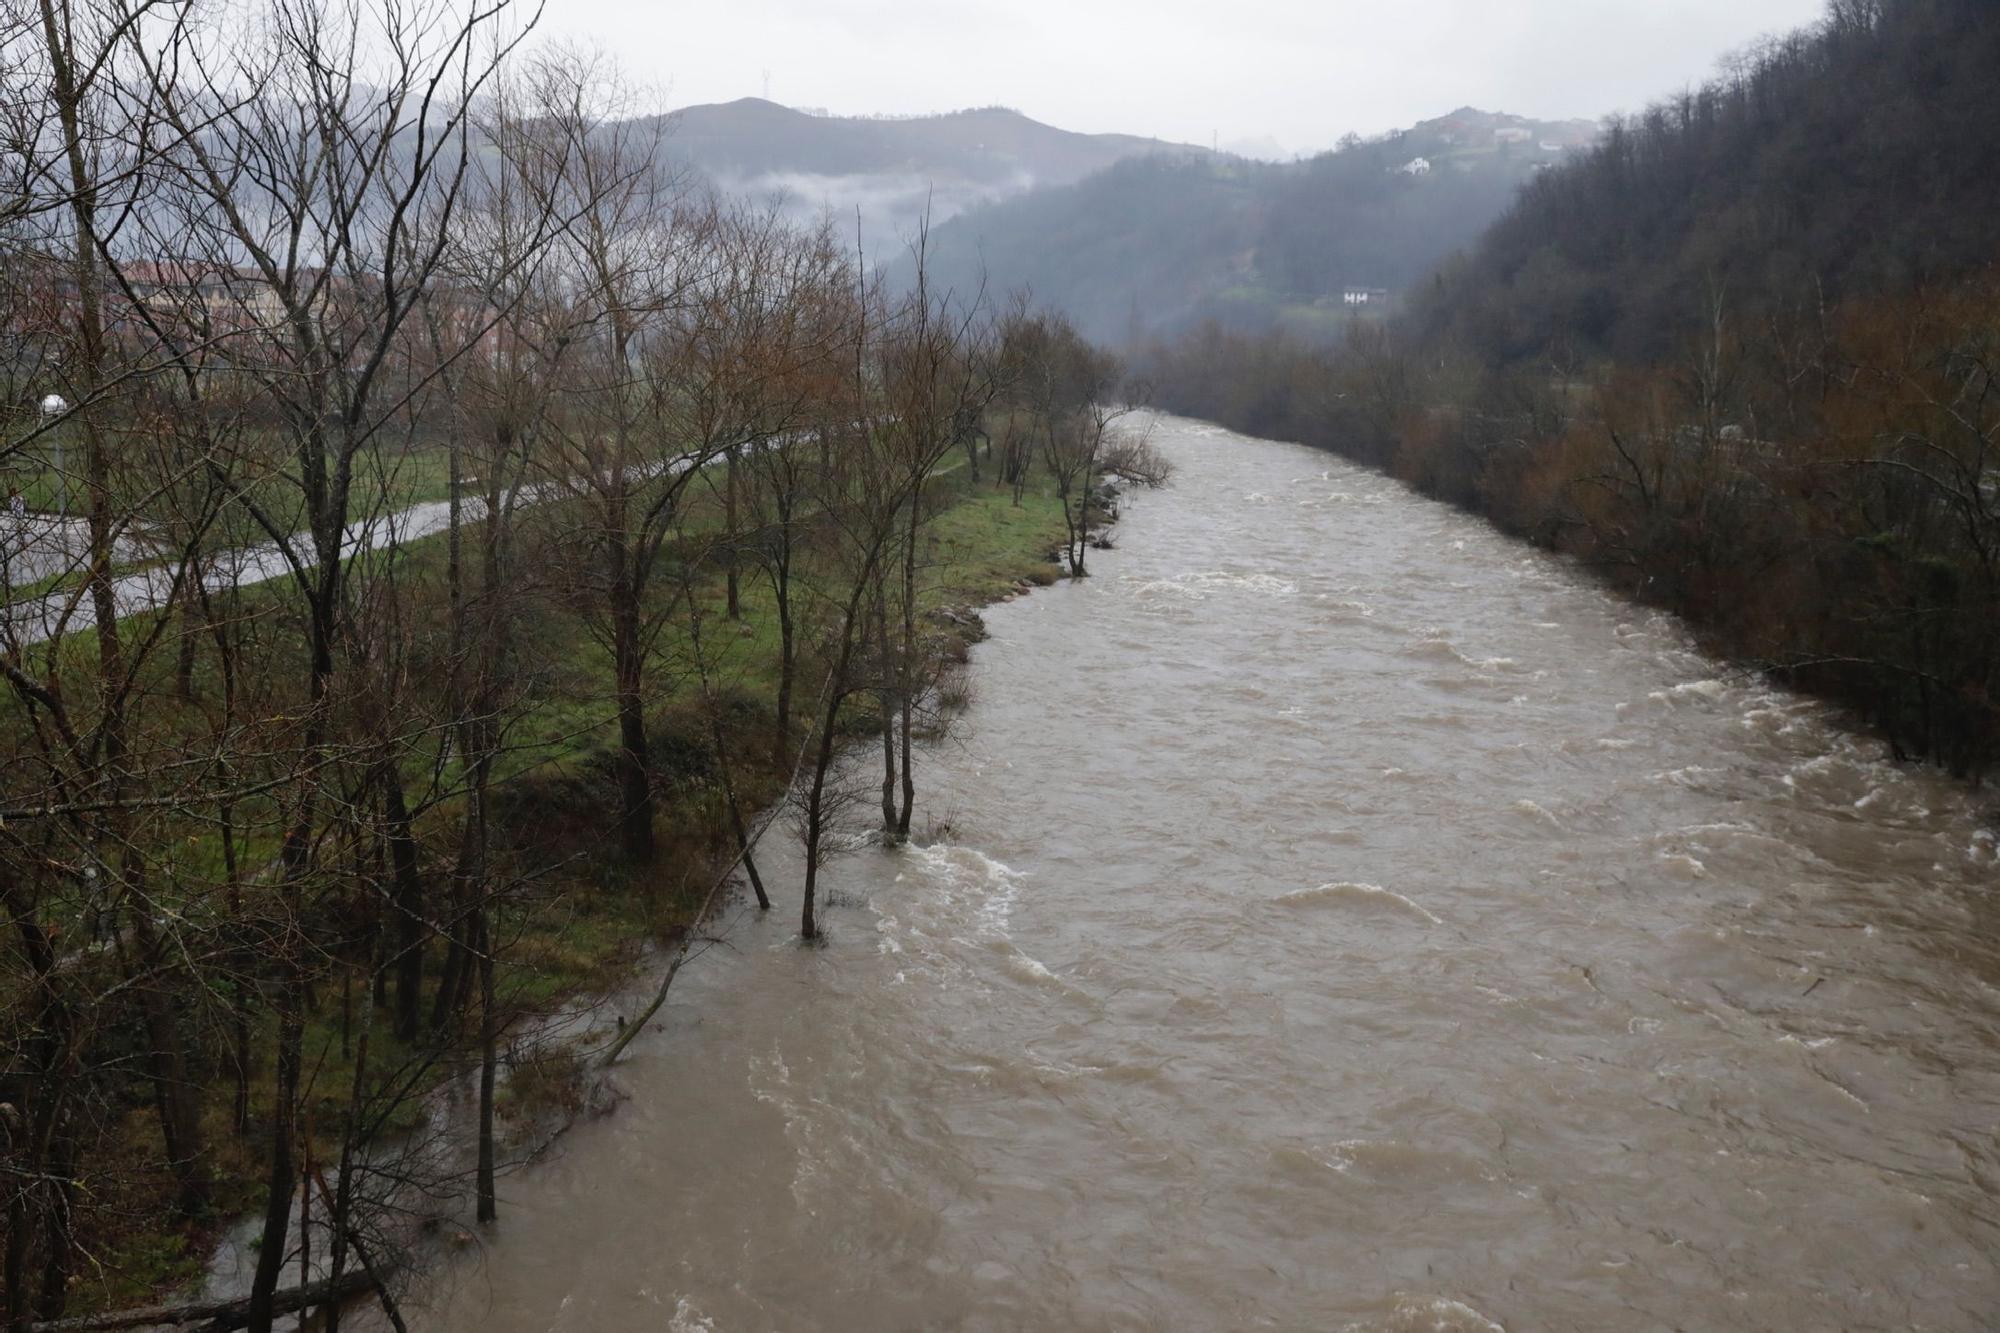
<point>477,893</point>
<point>909,770</point>
<point>180,1123</point>
<point>885,702</point>
<point>411,928</point>
<point>729,534</point>
<point>296,861</point>
<point>190,612</point>
<point>815,832</point>
<point>239,954</point>
<point>1082,524</point>
<point>51,1058</point>
<point>452,976</point>
<point>59,1243</point>
<point>262,1309</point>
<point>489,1041</point>
<point>787,657</point>
<point>828,723</point>
<point>341,1206</point>
<point>907,667</point>
<point>723,767</point>
<point>635,783</point>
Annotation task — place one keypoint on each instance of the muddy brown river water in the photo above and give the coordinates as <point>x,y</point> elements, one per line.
<point>1347,918</point>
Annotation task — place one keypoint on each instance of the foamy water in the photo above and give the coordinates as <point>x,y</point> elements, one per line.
<point>1363,895</point>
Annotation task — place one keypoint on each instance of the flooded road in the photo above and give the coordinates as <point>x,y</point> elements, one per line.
<point>1341,916</point>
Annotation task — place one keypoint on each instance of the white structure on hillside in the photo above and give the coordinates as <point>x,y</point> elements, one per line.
<point>1416,166</point>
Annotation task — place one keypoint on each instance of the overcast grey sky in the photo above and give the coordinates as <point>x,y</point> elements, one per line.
<point>1304,71</point>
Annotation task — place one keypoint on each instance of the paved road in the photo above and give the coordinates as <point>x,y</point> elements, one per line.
<point>69,611</point>
<point>37,546</point>
<point>38,619</point>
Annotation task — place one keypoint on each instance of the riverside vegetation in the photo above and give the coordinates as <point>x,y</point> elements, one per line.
<point>1739,357</point>
<point>281,853</point>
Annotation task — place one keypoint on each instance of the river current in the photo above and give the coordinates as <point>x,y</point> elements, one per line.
<point>1334,914</point>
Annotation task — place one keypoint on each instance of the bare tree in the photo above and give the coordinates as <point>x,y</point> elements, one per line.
<point>1069,390</point>
<point>938,371</point>
<point>631,262</point>
<point>327,192</point>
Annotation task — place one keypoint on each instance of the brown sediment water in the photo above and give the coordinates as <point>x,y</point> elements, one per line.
<point>1348,917</point>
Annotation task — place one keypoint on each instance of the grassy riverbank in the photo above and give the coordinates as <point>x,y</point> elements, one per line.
<point>585,916</point>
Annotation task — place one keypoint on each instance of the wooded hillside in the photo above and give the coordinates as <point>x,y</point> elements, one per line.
<point>1154,244</point>
<point>1741,358</point>
<point>1857,157</point>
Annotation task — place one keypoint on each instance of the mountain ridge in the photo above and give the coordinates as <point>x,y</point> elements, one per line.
<point>1154,243</point>
<point>751,135</point>
<point>892,172</point>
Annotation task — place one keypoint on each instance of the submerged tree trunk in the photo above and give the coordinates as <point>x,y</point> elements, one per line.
<point>724,768</point>
<point>828,724</point>
<point>282,1173</point>
<point>907,666</point>
<point>816,825</point>
<point>885,702</point>
<point>489,1041</point>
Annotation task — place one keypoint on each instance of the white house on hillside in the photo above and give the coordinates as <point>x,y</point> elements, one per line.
<point>1416,166</point>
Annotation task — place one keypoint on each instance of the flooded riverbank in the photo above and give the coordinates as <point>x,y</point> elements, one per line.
<point>1335,914</point>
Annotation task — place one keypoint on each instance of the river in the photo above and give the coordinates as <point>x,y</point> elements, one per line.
<point>1335,915</point>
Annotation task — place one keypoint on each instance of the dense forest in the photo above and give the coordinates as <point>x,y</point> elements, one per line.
<point>1855,159</point>
<point>1740,357</point>
<point>1156,243</point>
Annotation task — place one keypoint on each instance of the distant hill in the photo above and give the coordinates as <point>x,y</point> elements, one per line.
<point>891,166</point>
<point>1153,243</point>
